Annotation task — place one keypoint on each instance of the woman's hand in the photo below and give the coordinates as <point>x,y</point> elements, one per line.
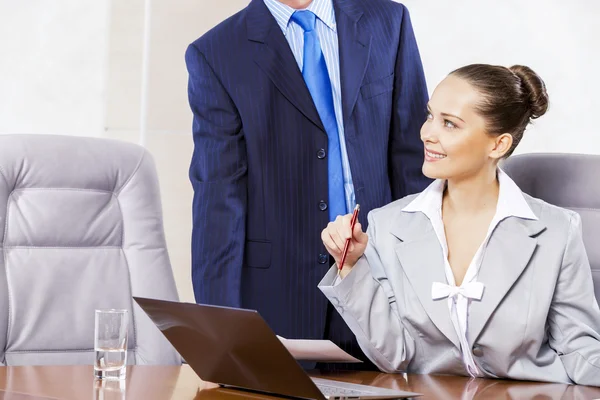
<point>334,238</point>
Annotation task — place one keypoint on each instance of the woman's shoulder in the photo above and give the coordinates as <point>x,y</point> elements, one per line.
<point>387,212</point>
<point>550,214</point>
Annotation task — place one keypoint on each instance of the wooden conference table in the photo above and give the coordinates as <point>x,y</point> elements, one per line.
<point>165,383</point>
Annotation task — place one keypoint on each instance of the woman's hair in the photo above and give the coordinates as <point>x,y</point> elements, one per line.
<point>512,97</point>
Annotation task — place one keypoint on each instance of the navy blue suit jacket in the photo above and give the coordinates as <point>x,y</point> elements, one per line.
<point>258,169</point>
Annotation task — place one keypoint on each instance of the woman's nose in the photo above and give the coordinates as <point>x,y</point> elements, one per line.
<point>428,132</point>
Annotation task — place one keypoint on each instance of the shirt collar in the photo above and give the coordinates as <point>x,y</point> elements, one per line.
<point>282,13</point>
<point>511,202</point>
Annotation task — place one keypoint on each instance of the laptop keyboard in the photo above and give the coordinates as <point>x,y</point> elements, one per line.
<point>338,391</point>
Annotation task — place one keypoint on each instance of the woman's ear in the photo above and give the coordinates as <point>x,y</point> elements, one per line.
<point>502,144</point>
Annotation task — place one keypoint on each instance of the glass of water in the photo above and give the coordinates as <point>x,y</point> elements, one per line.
<point>110,344</point>
<point>110,390</point>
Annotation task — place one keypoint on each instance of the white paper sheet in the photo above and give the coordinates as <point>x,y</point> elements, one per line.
<point>316,350</point>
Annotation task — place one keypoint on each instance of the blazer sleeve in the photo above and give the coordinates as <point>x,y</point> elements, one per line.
<point>218,173</point>
<point>366,302</point>
<point>574,316</point>
<point>409,113</point>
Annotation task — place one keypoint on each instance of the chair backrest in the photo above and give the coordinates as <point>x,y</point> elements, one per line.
<point>566,180</point>
<point>81,230</point>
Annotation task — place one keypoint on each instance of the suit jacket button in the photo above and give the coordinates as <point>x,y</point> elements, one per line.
<point>321,154</point>
<point>322,205</point>
<point>477,351</point>
<point>323,258</point>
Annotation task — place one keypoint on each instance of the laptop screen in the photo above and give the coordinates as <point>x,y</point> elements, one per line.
<point>230,346</point>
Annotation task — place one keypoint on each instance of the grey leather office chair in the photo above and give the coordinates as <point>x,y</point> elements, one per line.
<point>566,180</point>
<point>81,230</point>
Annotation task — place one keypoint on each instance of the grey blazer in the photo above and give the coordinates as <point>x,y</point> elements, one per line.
<point>538,318</point>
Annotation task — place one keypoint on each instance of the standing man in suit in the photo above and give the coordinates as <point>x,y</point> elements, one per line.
<point>302,108</point>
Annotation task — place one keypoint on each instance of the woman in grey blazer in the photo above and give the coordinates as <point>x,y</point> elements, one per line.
<point>471,276</point>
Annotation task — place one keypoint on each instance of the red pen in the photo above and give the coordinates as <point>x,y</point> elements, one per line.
<point>347,245</point>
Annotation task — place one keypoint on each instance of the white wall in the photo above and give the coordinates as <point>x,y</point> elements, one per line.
<point>53,65</point>
<point>557,38</point>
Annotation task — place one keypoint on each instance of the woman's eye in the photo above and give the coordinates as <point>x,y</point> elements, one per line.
<point>449,124</point>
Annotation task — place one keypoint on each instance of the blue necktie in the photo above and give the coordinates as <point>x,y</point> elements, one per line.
<point>315,75</point>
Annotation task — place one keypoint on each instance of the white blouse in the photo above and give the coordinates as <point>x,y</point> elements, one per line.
<point>511,203</point>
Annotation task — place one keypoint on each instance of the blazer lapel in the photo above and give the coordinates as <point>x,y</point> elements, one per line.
<point>422,260</point>
<point>274,56</point>
<point>509,250</point>
<point>355,47</point>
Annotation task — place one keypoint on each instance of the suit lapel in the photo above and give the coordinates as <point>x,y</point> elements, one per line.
<point>274,56</point>
<point>422,260</point>
<point>355,47</point>
<point>508,253</point>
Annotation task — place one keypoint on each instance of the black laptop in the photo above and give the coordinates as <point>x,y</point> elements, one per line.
<point>236,348</point>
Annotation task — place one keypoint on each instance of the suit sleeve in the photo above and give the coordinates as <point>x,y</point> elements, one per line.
<point>367,303</point>
<point>218,174</point>
<point>574,317</point>
<point>408,115</point>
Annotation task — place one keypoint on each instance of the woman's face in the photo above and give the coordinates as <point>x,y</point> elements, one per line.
<point>454,134</point>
